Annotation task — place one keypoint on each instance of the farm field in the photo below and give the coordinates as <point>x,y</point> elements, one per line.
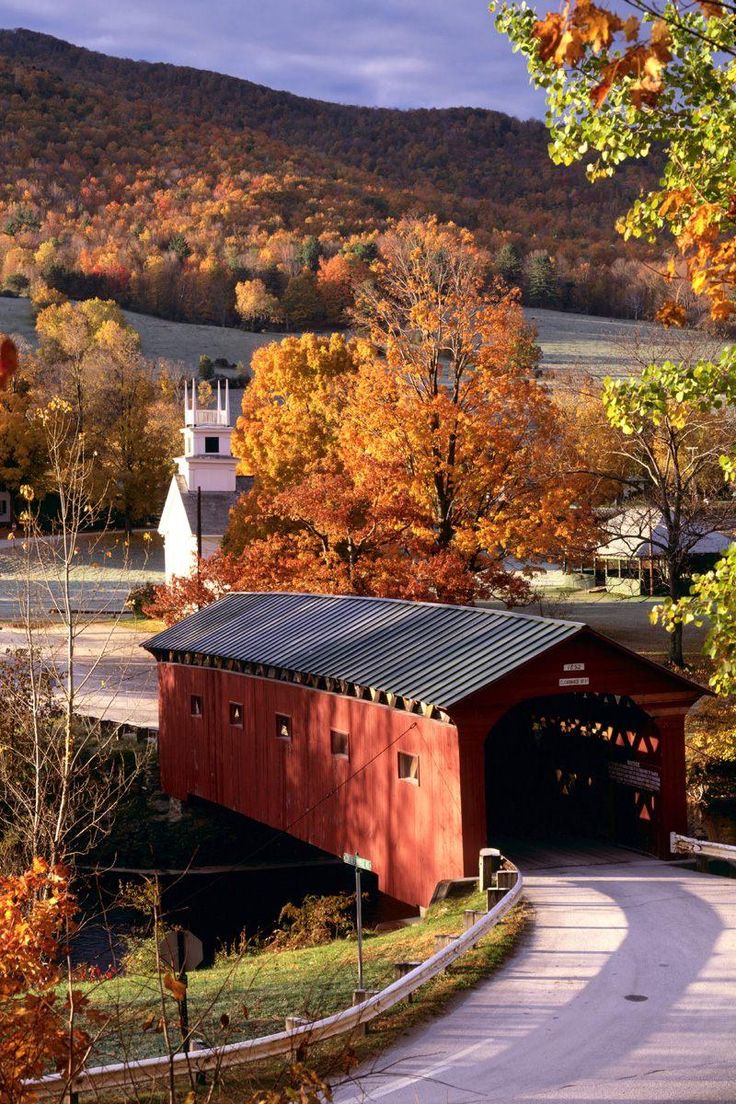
<point>180,342</point>
<point>571,343</point>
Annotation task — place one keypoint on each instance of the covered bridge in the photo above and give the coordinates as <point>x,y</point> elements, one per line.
<point>417,733</point>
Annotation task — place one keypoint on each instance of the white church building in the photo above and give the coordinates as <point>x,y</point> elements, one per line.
<point>205,487</point>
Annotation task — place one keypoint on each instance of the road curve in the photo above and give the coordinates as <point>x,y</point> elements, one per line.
<point>624,990</point>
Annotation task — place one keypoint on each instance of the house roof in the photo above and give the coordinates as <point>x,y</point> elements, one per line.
<point>640,532</point>
<point>216,505</point>
<point>421,651</point>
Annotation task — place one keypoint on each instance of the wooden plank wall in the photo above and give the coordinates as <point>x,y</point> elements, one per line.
<point>412,834</point>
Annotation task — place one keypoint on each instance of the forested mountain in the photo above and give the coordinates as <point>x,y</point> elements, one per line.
<point>165,185</point>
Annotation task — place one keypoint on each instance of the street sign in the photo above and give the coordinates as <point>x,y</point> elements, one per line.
<point>357,861</point>
<point>181,950</point>
<point>360,864</point>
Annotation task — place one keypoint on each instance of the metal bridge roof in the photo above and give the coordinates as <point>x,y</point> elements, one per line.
<point>426,652</point>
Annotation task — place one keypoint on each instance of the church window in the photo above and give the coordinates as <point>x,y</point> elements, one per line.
<point>212,444</point>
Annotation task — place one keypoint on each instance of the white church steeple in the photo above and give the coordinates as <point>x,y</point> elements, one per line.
<point>208,463</point>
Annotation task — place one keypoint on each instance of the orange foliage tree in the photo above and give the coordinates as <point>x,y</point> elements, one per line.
<point>453,408</point>
<point>410,464</point>
<point>37,1030</point>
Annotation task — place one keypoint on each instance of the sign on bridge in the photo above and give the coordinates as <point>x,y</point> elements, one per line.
<point>357,861</point>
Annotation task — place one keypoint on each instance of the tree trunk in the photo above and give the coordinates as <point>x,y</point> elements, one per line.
<point>676,654</point>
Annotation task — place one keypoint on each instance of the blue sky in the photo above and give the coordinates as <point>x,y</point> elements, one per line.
<point>387,53</point>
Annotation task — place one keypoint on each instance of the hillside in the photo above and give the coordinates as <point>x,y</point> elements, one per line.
<point>164,185</point>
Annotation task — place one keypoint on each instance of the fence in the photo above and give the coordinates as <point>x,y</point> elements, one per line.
<point>145,1072</point>
<point>686,845</point>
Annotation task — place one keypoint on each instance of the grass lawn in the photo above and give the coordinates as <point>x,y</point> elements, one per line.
<point>250,995</point>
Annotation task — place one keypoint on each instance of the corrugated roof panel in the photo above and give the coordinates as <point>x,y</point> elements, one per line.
<point>427,652</point>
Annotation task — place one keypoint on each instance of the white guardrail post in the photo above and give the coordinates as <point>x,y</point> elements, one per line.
<point>687,845</point>
<point>144,1072</point>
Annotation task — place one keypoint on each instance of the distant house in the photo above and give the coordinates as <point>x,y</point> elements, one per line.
<point>631,562</point>
<point>205,487</point>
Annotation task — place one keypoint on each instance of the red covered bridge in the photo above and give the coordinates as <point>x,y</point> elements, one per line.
<point>416,733</point>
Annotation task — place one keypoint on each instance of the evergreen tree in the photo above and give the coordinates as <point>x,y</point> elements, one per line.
<point>508,264</point>
<point>540,280</point>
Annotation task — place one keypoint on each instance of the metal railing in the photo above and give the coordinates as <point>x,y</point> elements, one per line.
<point>687,845</point>
<point>145,1072</point>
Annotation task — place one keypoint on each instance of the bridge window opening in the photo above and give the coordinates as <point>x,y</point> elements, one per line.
<point>283,727</point>
<point>409,767</point>
<point>236,714</point>
<point>584,765</point>
<point>196,705</point>
<point>340,744</point>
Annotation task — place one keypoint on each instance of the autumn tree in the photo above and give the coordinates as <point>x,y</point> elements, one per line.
<point>61,774</point>
<point>38,1028</point>
<point>337,277</point>
<point>316,518</point>
<point>618,87</point>
<point>90,357</point>
<point>452,404</point>
<point>69,354</point>
<point>674,421</point>
<point>132,430</point>
<point>302,303</point>
<point>255,304</point>
<point>22,454</point>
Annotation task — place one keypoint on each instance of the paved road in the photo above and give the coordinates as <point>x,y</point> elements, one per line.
<point>624,619</point>
<point>115,677</point>
<point>624,990</point>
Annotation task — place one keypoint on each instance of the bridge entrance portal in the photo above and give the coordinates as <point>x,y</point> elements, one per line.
<point>576,765</point>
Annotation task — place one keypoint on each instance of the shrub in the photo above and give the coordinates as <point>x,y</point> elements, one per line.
<point>317,920</point>
<point>140,598</point>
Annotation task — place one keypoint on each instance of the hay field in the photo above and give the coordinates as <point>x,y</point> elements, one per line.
<point>572,344</point>
<point>179,342</point>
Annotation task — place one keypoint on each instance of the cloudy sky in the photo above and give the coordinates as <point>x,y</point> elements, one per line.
<point>389,53</point>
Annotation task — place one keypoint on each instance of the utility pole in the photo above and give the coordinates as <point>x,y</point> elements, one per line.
<point>199,523</point>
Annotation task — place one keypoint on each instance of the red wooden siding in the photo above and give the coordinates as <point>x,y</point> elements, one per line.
<point>609,670</point>
<point>413,834</point>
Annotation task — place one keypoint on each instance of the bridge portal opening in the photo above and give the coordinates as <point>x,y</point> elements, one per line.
<point>575,765</point>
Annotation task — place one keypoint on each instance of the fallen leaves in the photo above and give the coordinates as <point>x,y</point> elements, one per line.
<point>177,988</point>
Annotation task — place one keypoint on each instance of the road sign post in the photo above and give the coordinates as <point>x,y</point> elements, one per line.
<point>183,1006</point>
<point>181,950</point>
<point>360,865</point>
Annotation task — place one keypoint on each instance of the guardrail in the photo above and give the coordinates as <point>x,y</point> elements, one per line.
<point>687,845</point>
<point>144,1072</point>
